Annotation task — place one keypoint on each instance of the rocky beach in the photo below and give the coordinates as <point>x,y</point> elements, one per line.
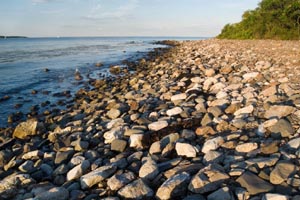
<point>210,119</point>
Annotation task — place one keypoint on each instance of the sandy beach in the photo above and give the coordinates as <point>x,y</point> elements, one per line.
<point>209,119</point>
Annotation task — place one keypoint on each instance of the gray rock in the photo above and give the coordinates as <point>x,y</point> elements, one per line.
<point>57,193</point>
<point>222,193</point>
<point>213,157</point>
<point>149,169</point>
<point>120,180</point>
<point>185,149</point>
<point>27,166</point>
<point>294,143</point>
<point>173,187</point>
<point>96,176</point>
<point>156,126</point>
<point>207,179</point>
<point>118,145</point>
<point>254,184</point>
<point>78,171</point>
<point>212,144</point>
<point>279,111</point>
<point>115,133</point>
<point>136,190</point>
<point>282,171</point>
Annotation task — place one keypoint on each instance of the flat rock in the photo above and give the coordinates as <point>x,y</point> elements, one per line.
<point>254,184</point>
<point>282,171</point>
<point>279,111</point>
<point>96,176</point>
<point>136,141</point>
<point>185,149</point>
<point>174,186</point>
<point>244,111</point>
<point>283,128</point>
<point>212,144</point>
<point>136,190</point>
<point>174,111</point>
<point>57,193</point>
<point>120,180</point>
<point>222,193</point>
<point>246,147</point>
<point>156,126</point>
<point>118,145</point>
<point>179,97</point>
<point>115,133</point>
<point>206,180</point>
<point>263,161</point>
<point>113,113</point>
<point>149,169</point>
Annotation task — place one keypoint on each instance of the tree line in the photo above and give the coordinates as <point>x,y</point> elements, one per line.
<point>272,19</point>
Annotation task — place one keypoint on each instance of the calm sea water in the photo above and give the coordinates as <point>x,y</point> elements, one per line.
<point>22,64</point>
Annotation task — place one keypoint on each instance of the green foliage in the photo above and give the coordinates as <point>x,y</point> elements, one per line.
<point>272,19</point>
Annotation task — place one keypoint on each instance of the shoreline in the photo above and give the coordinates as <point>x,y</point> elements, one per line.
<point>216,119</point>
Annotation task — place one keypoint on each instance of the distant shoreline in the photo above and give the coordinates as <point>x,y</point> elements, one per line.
<point>11,37</point>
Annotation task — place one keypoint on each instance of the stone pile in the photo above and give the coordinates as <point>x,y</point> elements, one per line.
<point>213,119</point>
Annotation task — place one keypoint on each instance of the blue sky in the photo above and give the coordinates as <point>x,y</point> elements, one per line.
<point>119,17</point>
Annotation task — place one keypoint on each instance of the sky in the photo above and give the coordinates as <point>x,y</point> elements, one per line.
<point>51,18</point>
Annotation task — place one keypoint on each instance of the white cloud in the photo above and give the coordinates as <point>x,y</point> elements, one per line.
<point>125,10</point>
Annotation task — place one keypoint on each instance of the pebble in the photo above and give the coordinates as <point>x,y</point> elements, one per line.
<point>136,190</point>
<point>149,170</point>
<point>246,147</point>
<point>212,144</point>
<point>185,149</point>
<point>156,126</point>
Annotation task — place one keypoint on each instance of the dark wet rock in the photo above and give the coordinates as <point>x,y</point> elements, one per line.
<point>63,156</point>
<point>223,193</point>
<point>254,184</point>
<point>57,193</point>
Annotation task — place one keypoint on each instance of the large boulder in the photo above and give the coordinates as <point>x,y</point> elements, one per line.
<point>28,128</point>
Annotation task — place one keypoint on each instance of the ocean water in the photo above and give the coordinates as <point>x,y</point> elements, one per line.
<point>23,62</point>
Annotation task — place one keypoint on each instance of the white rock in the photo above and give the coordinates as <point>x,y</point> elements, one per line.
<point>115,133</point>
<point>279,111</point>
<point>174,111</point>
<point>156,126</point>
<point>294,143</point>
<point>212,144</point>
<point>78,171</point>
<point>185,149</point>
<point>271,196</point>
<point>250,75</point>
<point>149,169</point>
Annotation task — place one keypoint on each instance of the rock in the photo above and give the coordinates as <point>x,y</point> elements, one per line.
<point>246,147</point>
<point>244,111</point>
<point>115,70</point>
<point>136,190</point>
<point>33,155</point>
<point>212,144</point>
<point>136,141</point>
<point>279,111</point>
<point>250,75</point>
<point>115,133</point>
<point>174,186</point>
<point>118,145</point>
<point>209,72</point>
<point>96,176</point>
<point>156,126</point>
<point>27,167</point>
<point>185,149</point>
<point>113,113</point>
<point>28,128</point>
<point>78,171</point>
<point>205,130</point>
<point>179,97</point>
<point>63,156</point>
<point>263,161</point>
<point>282,128</point>
<point>120,180</point>
<point>213,157</point>
<point>149,169</point>
<point>270,196</point>
<point>270,91</point>
<point>57,193</point>
<point>222,193</point>
<point>254,184</point>
<point>206,180</point>
<point>174,111</point>
<point>282,171</point>
<point>294,143</point>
